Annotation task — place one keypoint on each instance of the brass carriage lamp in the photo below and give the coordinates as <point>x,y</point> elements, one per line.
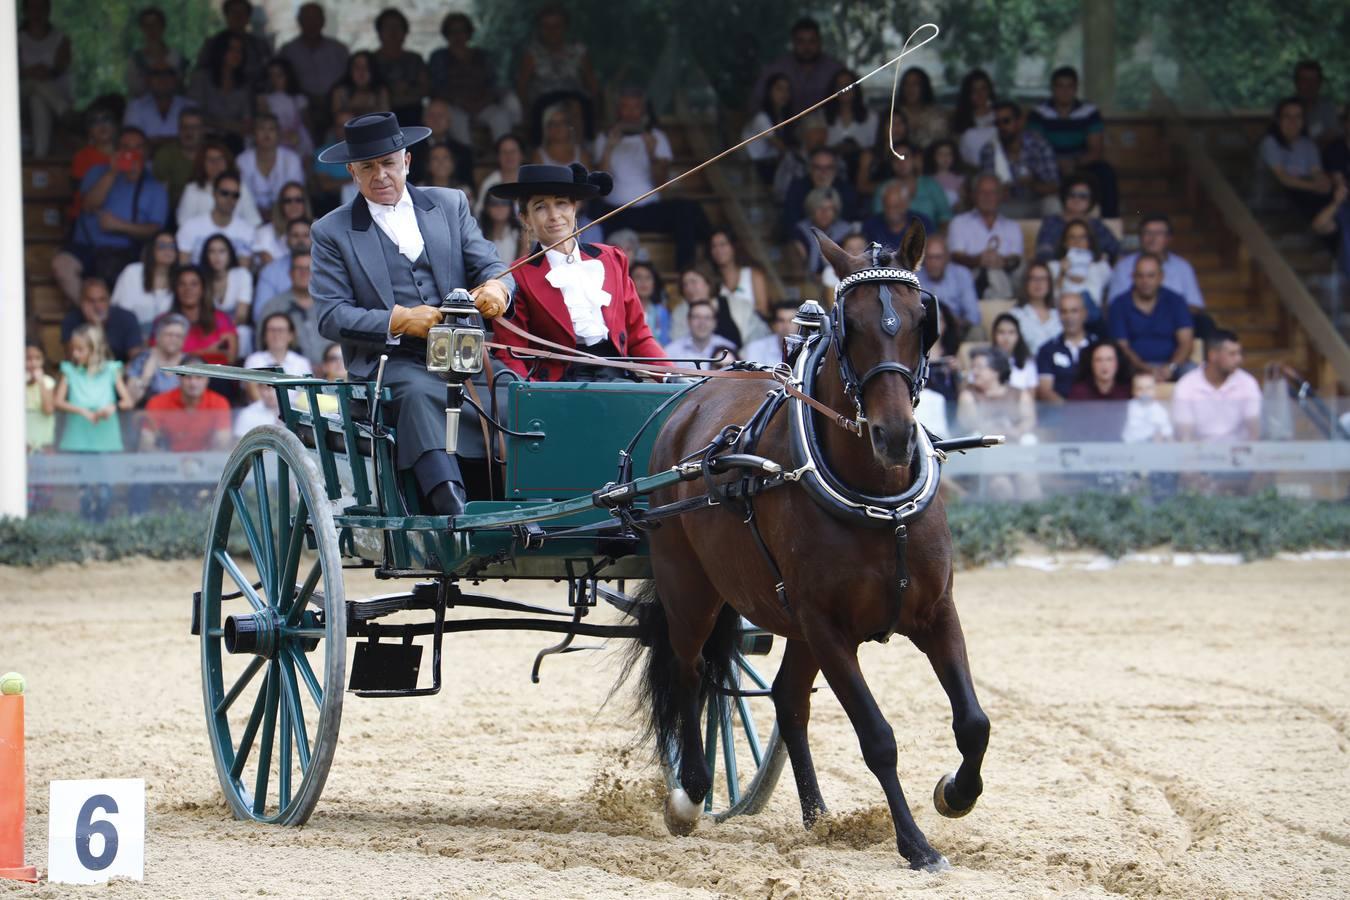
<point>455,347</point>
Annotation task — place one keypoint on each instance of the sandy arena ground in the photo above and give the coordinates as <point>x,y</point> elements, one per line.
<point>1156,730</point>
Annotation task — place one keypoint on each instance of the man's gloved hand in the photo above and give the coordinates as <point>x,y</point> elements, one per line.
<point>491,297</point>
<point>413,320</point>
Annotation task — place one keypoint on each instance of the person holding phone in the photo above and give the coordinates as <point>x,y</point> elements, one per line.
<point>123,206</point>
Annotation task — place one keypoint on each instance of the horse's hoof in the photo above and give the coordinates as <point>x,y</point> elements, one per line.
<point>682,814</point>
<point>938,865</point>
<point>940,799</point>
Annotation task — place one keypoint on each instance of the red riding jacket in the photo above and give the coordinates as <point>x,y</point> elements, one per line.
<point>538,307</point>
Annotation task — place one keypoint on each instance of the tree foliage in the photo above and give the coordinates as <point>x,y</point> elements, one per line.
<point>103,34</point>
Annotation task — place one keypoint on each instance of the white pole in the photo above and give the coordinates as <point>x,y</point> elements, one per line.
<point>13,419</point>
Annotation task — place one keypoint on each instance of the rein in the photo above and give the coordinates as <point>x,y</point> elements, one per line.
<point>574,355</point>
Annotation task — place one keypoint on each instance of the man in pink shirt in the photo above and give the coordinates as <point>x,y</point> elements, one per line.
<point>1221,401</point>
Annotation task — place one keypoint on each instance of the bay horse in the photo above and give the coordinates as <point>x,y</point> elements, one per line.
<point>838,579</point>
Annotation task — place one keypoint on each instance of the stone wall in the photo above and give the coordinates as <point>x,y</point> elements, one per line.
<point>353,21</point>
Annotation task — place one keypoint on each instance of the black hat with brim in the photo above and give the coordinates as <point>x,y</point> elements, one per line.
<point>555,181</point>
<point>372,136</point>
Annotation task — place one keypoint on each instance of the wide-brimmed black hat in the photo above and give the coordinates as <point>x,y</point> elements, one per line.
<point>372,136</point>
<point>555,181</point>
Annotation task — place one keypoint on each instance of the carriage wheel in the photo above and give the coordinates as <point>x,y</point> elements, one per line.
<point>274,630</point>
<point>741,744</point>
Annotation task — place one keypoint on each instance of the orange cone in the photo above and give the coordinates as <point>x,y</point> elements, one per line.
<point>12,790</point>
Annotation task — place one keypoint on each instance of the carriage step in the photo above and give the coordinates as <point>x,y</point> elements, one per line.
<point>385,669</point>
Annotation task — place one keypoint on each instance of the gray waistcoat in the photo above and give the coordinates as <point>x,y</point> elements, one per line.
<point>413,282</point>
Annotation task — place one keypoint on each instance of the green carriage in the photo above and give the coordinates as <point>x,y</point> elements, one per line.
<point>301,503</point>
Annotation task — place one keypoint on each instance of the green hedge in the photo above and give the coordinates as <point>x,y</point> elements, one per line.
<point>1254,527</point>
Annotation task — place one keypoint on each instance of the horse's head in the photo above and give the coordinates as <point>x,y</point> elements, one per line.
<point>882,328</point>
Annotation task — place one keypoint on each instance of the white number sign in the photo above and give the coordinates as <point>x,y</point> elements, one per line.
<point>96,831</point>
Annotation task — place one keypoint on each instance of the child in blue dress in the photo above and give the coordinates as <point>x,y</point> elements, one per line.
<point>90,392</point>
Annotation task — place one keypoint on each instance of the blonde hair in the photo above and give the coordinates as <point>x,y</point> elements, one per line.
<point>98,346</point>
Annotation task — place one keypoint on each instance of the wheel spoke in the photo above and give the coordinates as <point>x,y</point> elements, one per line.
<point>269,547</point>
<point>306,590</point>
<point>753,673</point>
<point>245,586</point>
<point>265,745</point>
<point>228,700</point>
<point>292,697</point>
<point>729,750</point>
<point>751,736</point>
<point>260,561</point>
<point>284,757</point>
<point>317,632</point>
<point>283,509</point>
<point>250,731</point>
<point>311,682</point>
<point>290,560</point>
<point>710,749</point>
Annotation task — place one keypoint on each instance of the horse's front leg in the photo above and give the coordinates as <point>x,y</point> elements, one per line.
<point>945,646</point>
<point>838,659</point>
<point>792,705</point>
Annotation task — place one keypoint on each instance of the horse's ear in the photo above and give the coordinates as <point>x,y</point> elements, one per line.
<point>910,254</point>
<point>839,260</point>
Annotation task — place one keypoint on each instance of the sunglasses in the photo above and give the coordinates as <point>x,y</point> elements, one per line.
<point>292,199</point>
<point>234,195</point>
<point>166,245</point>
<point>1080,195</point>
<point>1004,120</point>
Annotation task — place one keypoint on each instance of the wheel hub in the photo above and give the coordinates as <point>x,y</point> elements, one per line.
<point>257,633</point>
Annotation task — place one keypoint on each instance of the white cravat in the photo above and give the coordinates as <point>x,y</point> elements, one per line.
<point>399,223</point>
<point>582,282</point>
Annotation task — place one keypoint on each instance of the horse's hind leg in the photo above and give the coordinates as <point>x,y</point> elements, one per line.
<point>945,646</point>
<point>691,606</point>
<point>792,704</point>
<point>838,659</point>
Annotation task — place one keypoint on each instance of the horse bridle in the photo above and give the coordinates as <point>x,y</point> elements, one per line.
<point>882,276</point>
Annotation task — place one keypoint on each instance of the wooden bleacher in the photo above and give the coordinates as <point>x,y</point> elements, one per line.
<point>47,192</point>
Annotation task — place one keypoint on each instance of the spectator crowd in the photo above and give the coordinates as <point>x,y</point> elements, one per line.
<point>190,227</point>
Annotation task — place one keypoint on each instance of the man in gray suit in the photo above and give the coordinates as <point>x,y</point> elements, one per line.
<point>380,265</point>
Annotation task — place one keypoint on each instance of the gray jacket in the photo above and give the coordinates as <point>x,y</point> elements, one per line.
<point>351,281</point>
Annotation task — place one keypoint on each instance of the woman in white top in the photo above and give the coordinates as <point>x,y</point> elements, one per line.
<point>1007,337</point>
<point>510,154</point>
<point>1035,313</point>
<point>744,286</point>
<point>561,145</point>
<point>974,118</point>
<point>143,288</point>
<point>267,166</point>
<point>269,241</point>
<point>285,101</point>
<point>229,285</point>
<point>1079,267</point>
<point>853,127</point>
<point>44,60</point>
<point>498,222</point>
<point>278,338</point>
<point>768,151</point>
<point>199,198</point>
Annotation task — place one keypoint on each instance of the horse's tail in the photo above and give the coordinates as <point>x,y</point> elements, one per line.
<point>658,697</point>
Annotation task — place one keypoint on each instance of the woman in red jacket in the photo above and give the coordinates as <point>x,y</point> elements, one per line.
<point>578,295</point>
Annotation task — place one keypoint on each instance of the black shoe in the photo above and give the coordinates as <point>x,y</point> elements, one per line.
<point>447,499</point>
